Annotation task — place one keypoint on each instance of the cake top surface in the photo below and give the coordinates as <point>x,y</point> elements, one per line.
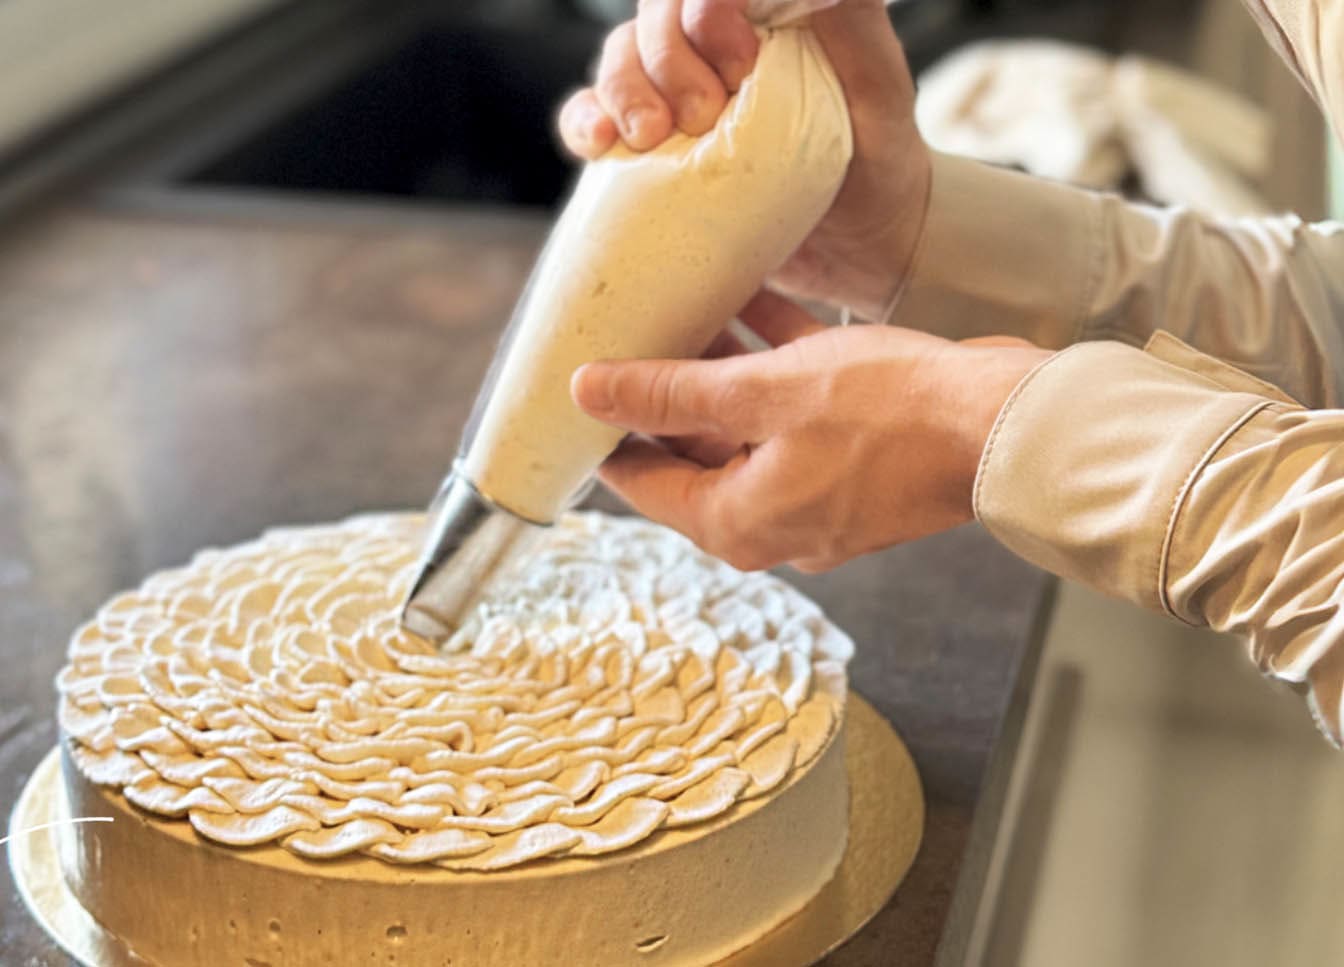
<point>618,683</point>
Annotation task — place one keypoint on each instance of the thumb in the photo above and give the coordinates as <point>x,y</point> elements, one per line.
<point>663,397</point>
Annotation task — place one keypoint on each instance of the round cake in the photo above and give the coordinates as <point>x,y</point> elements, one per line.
<point>631,753</point>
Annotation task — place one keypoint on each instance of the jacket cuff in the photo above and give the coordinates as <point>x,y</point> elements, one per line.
<point>1092,456</point>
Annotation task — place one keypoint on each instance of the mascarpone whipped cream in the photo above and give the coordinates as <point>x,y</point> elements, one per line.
<point>619,682</point>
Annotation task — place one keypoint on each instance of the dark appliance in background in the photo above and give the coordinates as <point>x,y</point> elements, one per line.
<point>457,103</point>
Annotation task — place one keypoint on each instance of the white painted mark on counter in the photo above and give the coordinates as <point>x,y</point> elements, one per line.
<point>60,822</point>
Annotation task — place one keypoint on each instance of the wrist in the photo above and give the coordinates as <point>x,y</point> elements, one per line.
<point>899,252</point>
<point>862,253</point>
<point>891,249</point>
<point>988,378</point>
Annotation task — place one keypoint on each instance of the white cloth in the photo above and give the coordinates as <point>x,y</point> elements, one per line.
<point>1076,115</point>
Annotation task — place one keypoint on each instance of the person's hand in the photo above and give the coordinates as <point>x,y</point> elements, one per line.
<point>837,442</point>
<point>674,67</point>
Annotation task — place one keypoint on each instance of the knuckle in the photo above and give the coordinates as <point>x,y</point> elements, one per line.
<point>735,540</point>
<point>687,394</point>
<point>663,62</point>
<point>730,396</point>
<point>618,42</point>
<point>658,390</point>
<point>737,400</point>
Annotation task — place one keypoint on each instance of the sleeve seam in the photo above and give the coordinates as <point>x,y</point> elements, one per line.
<point>893,305</point>
<point>1181,499</point>
<point>1092,278</point>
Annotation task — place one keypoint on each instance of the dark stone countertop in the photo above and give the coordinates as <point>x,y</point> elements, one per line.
<point>172,381</point>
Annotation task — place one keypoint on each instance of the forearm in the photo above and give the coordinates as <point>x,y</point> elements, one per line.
<point>1181,484</point>
<point>1003,252</point>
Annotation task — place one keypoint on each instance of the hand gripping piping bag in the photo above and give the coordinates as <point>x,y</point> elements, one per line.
<point>652,256</point>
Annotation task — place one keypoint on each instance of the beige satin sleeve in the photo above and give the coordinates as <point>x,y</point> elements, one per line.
<point>1006,253</point>
<point>1180,483</point>
<point>1309,36</point>
<point>1190,485</point>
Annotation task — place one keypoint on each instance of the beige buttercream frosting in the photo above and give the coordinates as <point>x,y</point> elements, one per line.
<point>618,683</point>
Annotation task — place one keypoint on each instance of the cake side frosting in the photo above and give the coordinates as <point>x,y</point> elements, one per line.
<point>682,898</point>
<point>618,684</point>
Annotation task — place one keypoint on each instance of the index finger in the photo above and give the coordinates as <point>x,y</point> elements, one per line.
<point>678,397</point>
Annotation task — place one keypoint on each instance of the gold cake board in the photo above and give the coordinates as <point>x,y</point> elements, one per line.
<point>886,822</point>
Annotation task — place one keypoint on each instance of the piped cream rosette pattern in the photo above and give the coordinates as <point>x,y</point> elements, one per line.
<point>621,683</point>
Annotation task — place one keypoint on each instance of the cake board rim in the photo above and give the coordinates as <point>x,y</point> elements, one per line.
<point>885,831</point>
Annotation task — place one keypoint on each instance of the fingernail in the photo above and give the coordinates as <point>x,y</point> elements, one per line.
<point>635,124</point>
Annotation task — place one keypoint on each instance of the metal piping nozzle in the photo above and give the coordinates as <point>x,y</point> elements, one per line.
<point>469,539</point>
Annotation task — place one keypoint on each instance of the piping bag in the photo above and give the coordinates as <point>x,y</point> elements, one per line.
<point>652,256</point>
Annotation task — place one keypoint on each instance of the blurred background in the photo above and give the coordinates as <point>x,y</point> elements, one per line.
<point>452,101</point>
<point>1141,826</point>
